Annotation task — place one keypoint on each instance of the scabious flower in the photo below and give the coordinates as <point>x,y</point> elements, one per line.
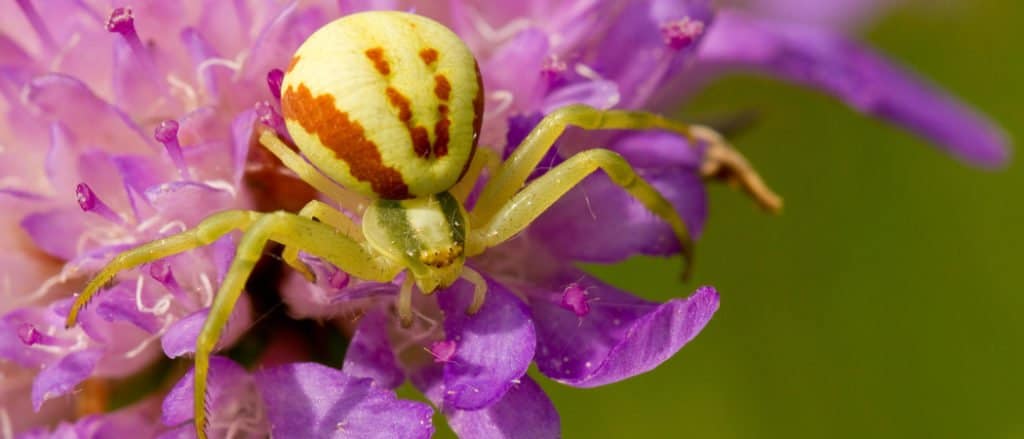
<point>124,125</point>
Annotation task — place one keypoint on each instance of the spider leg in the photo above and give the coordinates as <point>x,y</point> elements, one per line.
<point>517,168</point>
<point>317,209</point>
<point>526,205</point>
<point>479,289</point>
<point>204,233</point>
<point>483,158</point>
<point>307,173</point>
<point>291,230</point>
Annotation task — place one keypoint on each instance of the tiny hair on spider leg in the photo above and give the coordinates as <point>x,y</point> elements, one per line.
<point>389,105</point>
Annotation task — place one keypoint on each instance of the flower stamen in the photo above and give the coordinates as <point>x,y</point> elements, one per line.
<point>167,133</point>
<point>553,69</point>
<point>121,21</point>
<point>89,202</point>
<point>274,80</point>
<point>161,272</point>
<point>680,34</point>
<point>270,117</point>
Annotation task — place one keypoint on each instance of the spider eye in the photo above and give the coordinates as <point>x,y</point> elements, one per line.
<point>388,104</point>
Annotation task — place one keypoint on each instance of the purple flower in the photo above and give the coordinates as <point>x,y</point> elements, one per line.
<point>124,125</point>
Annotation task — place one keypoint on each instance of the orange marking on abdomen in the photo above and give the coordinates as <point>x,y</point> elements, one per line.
<point>401,102</point>
<point>346,138</point>
<point>441,132</point>
<point>376,55</point>
<point>417,135</point>
<point>442,89</point>
<point>428,55</point>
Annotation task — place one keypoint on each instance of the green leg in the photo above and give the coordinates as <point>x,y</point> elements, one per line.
<point>479,289</point>
<point>484,158</point>
<point>293,231</point>
<point>205,233</point>
<point>534,199</point>
<point>311,175</point>
<point>514,171</point>
<point>330,216</point>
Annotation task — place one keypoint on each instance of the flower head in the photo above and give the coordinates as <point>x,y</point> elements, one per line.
<point>129,124</point>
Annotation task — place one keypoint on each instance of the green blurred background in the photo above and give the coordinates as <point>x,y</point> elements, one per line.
<point>886,301</point>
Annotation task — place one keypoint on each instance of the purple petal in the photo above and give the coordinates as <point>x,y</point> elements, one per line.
<point>524,412</point>
<point>597,94</point>
<point>370,355</point>
<point>578,225</point>
<point>24,328</point>
<point>654,149</point>
<point>226,384</point>
<point>833,14</point>
<point>312,400</point>
<point>637,32</point>
<point>241,138</point>
<point>278,40</point>
<point>526,51</point>
<point>56,232</point>
<point>92,120</point>
<point>119,304</point>
<point>201,198</point>
<point>141,172</point>
<point>63,376</point>
<point>12,54</point>
<point>180,338</point>
<point>494,346</point>
<point>622,336</point>
<point>858,76</point>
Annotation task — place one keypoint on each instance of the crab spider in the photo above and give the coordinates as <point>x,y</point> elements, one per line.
<point>389,105</point>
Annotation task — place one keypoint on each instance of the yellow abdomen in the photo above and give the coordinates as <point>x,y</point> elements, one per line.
<point>388,104</point>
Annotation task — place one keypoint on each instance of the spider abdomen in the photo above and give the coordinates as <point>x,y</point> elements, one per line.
<point>388,104</point>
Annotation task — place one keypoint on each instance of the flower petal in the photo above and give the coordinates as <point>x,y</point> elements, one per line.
<point>621,336</point>
<point>858,76</point>
<point>56,232</point>
<point>225,378</point>
<point>524,412</point>
<point>312,400</point>
<point>61,377</point>
<point>597,221</point>
<point>180,338</point>
<point>92,120</point>
<point>370,355</point>
<point>833,14</point>
<point>638,33</point>
<point>494,347</point>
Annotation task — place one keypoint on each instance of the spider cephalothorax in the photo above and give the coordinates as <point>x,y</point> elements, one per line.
<point>389,105</point>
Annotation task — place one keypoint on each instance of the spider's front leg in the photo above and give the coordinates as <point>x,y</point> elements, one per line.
<point>294,231</point>
<point>309,174</point>
<point>323,212</point>
<point>539,195</point>
<point>204,233</point>
<point>721,159</point>
<point>504,210</point>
